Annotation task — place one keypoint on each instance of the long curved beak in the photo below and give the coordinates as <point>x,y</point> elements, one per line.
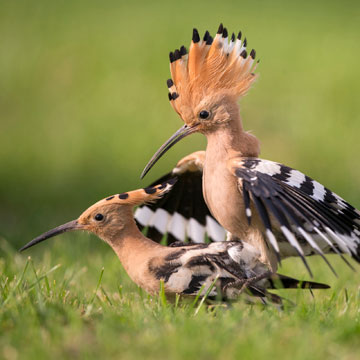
<point>180,134</point>
<point>69,226</point>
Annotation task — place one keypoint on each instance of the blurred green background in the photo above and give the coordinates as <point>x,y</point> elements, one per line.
<point>83,106</point>
<point>83,96</point>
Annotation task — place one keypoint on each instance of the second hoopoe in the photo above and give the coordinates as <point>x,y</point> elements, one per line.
<point>181,215</point>
<point>185,270</point>
<point>278,210</point>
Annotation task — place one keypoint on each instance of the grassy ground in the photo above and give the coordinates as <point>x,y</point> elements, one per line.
<point>57,306</point>
<point>84,105</point>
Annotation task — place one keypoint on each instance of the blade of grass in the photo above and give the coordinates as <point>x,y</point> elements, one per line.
<point>197,296</point>
<point>43,276</point>
<point>162,296</point>
<point>36,275</point>
<point>98,285</point>
<point>120,291</point>
<point>5,288</point>
<point>206,295</point>
<point>177,298</point>
<point>11,293</point>
<point>106,295</point>
<point>47,285</point>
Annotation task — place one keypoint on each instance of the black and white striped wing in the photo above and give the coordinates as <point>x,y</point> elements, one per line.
<point>229,262</point>
<point>181,214</point>
<point>303,211</point>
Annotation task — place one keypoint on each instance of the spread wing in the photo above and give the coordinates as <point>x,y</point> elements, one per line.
<point>181,215</point>
<point>297,209</point>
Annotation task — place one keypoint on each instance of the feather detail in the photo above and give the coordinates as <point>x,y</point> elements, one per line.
<point>212,65</point>
<point>181,215</point>
<point>300,208</point>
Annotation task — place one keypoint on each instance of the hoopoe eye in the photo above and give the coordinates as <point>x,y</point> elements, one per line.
<point>204,114</point>
<point>98,217</point>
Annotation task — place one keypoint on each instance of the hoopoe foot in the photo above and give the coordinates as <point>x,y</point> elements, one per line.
<point>243,284</point>
<point>254,280</point>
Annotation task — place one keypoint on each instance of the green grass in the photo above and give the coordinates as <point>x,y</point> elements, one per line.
<point>75,301</point>
<point>83,106</point>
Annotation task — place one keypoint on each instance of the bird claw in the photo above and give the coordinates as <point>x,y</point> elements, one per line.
<point>243,284</point>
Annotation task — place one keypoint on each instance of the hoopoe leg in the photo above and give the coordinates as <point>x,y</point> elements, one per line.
<point>254,280</point>
<point>242,284</point>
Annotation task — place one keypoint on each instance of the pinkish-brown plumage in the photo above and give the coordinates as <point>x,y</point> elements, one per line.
<point>278,210</point>
<point>187,269</point>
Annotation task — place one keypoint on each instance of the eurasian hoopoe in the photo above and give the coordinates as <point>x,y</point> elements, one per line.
<point>181,215</point>
<point>278,210</point>
<point>185,269</point>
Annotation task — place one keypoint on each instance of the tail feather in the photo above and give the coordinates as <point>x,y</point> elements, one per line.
<point>262,293</point>
<point>279,281</point>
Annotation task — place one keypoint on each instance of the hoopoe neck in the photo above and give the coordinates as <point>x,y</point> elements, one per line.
<point>220,186</point>
<point>231,139</point>
<point>133,248</point>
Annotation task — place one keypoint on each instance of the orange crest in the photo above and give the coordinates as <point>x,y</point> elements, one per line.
<point>135,197</point>
<point>211,66</point>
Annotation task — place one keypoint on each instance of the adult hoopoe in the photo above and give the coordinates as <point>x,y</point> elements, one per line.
<point>279,210</point>
<point>185,269</point>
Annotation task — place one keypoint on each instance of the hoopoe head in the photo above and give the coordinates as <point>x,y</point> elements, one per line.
<point>207,82</point>
<point>110,218</point>
<point>210,78</point>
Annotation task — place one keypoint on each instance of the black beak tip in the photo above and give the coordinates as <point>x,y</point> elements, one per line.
<point>69,226</point>
<point>176,137</point>
<point>28,245</point>
<point>145,171</point>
